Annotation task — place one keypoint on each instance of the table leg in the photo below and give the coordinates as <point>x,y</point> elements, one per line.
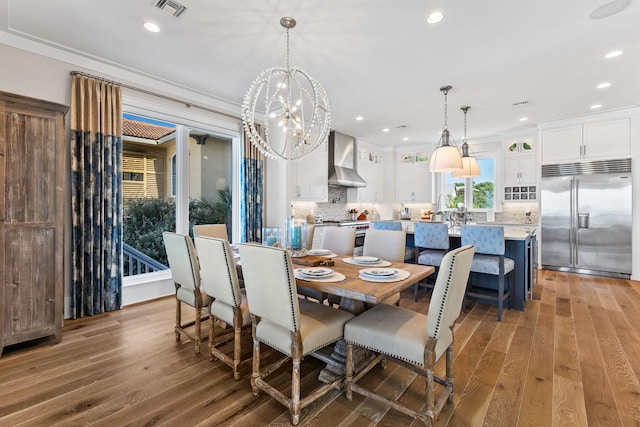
<point>337,360</point>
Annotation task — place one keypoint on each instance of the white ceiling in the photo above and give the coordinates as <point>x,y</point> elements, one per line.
<point>375,58</point>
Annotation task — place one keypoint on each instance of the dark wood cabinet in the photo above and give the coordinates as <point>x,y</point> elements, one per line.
<point>32,181</point>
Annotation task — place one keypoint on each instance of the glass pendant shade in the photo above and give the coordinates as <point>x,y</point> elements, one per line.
<point>470,168</point>
<point>446,157</point>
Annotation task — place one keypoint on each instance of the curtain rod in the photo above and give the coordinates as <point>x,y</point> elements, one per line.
<point>148,92</point>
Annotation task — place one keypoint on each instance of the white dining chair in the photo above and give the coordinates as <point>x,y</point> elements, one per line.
<point>228,301</point>
<point>218,231</point>
<point>414,340</point>
<point>286,323</point>
<point>388,245</point>
<point>185,272</point>
<point>340,240</point>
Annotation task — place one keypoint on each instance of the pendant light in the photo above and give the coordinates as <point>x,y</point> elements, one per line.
<point>470,166</point>
<point>446,157</point>
<point>296,108</point>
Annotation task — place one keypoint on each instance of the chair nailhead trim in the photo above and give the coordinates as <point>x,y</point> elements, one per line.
<point>292,294</point>
<point>236,300</point>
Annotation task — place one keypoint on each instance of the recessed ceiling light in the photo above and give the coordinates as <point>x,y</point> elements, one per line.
<point>385,130</point>
<point>150,26</point>
<point>596,106</point>
<point>608,9</point>
<point>359,118</point>
<point>603,85</point>
<point>613,54</point>
<point>406,138</point>
<point>524,119</point>
<point>435,17</point>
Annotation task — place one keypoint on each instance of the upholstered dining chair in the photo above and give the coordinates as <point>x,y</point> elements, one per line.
<point>219,231</point>
<point>340,240</point>
<point>292,326</point>
<point>432,243</point>
<point>388,245</point>
<point>185,272</point>
<point>414,340</point>
<point>489,259</point>
<point>228,301</point>
<point>311,229</point>
<point>409,253</point>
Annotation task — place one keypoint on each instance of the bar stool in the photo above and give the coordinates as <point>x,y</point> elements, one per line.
<point>432,243</point>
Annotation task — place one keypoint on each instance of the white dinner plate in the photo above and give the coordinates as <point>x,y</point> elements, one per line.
<point>365,259</point>
<point>319,252</point>
<point>316,271</point>
<point>379,272</point>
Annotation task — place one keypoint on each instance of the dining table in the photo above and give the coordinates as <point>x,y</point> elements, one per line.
<point>356,294</point>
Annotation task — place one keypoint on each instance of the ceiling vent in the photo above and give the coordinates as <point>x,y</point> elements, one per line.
<point>171,6</point>
<point>520,103</point>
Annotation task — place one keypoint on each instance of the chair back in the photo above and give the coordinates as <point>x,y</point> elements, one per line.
<point>219,231</point>
<point>185,269</point>
<point>270,285</point>
<point>340,240</point>
<point>385,244</point>
<point>446,300</point>
<point>310,232</point>
<point>386,225</point>
<point>487,239</point>
<point>431,236</point>
<point>218,270</point>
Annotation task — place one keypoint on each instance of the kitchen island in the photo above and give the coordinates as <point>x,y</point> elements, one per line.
<point>520,246</point>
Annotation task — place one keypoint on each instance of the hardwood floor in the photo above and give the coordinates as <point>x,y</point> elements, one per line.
<point>572,358</point>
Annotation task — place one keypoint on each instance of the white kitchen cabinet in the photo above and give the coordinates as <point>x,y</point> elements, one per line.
<point>370,168</point>
<point>414,179</point>
<point>595,140</point>
<point>310,176</point>
<point>606,139</point>
<point>520,170</point>
<point>519,146</point>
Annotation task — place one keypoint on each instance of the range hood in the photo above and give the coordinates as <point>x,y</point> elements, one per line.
<point>342,161</point>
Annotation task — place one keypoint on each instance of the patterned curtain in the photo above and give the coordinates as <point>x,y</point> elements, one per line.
<point>96,202</point>
<point>252,190</point>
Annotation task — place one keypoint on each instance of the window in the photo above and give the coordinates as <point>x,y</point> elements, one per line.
<point>476,193</point>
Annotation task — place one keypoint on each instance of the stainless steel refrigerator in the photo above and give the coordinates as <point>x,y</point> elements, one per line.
<point>585,217</point>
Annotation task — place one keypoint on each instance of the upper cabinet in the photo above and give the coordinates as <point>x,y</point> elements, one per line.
<point>414,179</point>
<point>519,146</point>
<point>310,176</point>
<point>370,167</point>
<point>593,140</point>
<point>519,169</point>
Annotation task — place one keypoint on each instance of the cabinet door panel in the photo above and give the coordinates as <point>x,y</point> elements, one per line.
<point>561,143</point>
<point>606,139</point>
<point>528,169</point>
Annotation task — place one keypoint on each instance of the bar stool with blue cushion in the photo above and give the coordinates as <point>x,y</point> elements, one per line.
<point>229,302</point>
<point>409,253</point>
<point>489,259</point>
<point>432,243</point>
<point>414,340</point>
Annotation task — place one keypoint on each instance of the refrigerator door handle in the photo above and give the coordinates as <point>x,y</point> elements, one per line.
<point>573,234</point>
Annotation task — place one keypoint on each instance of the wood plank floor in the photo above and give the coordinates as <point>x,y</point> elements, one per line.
<point>572,358</point>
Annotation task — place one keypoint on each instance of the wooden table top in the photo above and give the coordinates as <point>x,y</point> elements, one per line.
<point>355,288</point>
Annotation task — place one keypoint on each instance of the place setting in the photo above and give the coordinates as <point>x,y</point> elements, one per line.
<point>383,274</point>
<point>369,261</point>
<point>322,252</point>
<point>318,274</point>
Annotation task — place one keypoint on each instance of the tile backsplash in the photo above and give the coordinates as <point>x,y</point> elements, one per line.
<point>337,209</point>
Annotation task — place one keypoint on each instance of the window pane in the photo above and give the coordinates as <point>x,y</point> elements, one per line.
<point>483,185</point>
<point>210,169</point>
<point>455,190</point>
<point>147,146</point>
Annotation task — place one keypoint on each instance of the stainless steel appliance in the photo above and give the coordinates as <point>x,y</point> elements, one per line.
<point>586,217</point>
<point>405,213</point>
<point>342,161</point>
